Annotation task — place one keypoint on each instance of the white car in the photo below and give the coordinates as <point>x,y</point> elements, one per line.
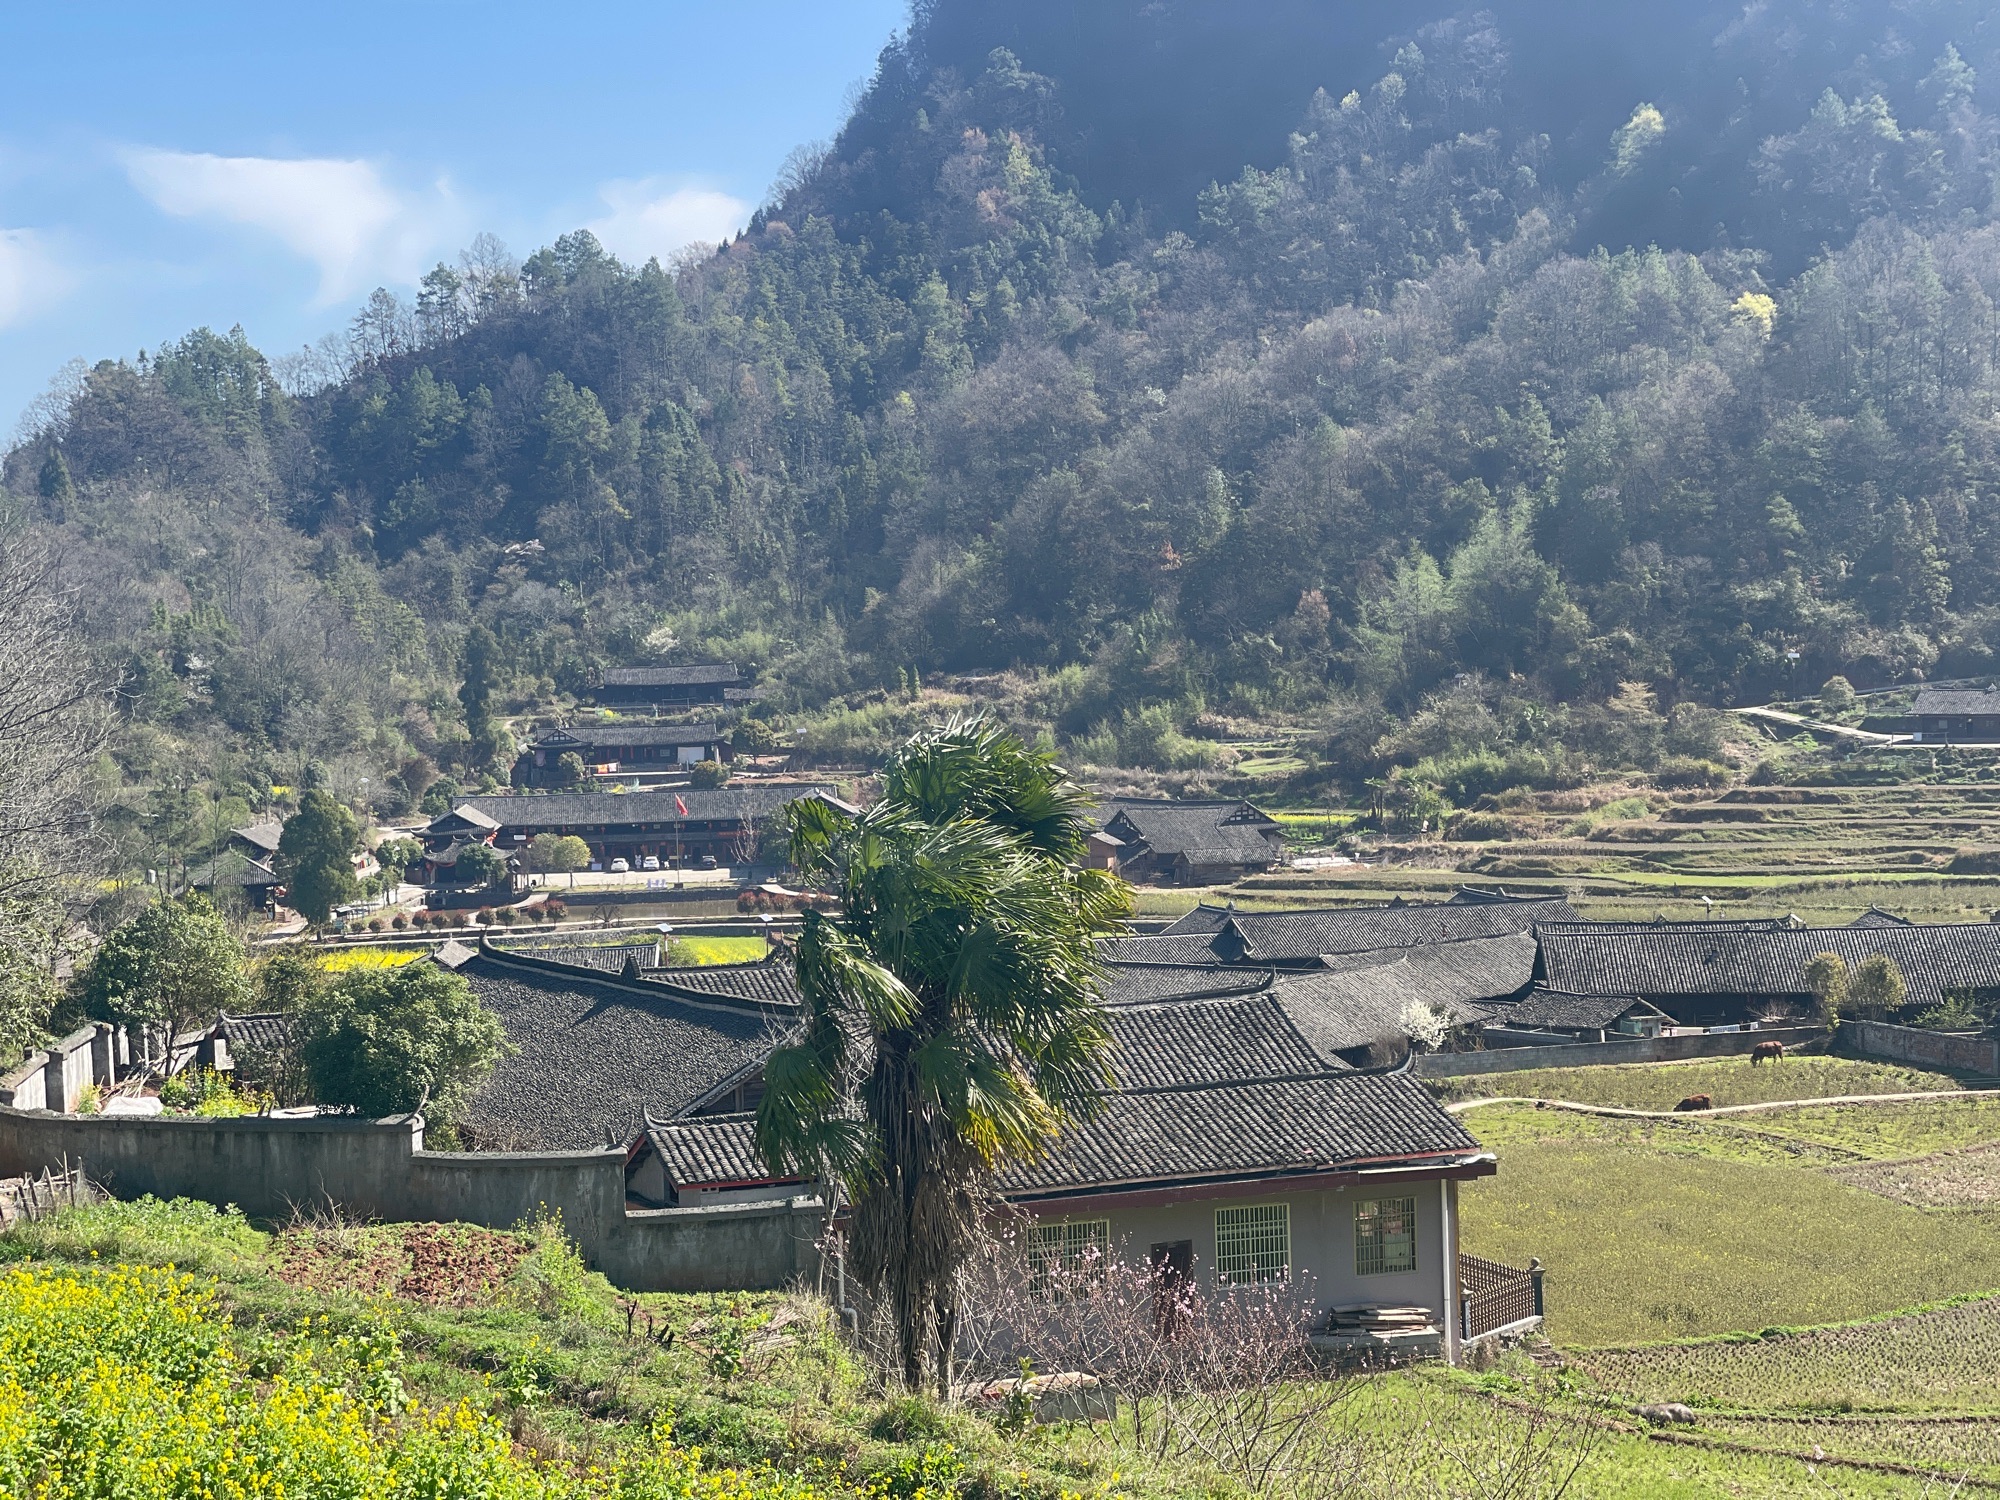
<point>650,862</point>
<point>620,867</point>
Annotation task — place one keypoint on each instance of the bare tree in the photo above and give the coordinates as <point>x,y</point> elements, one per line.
<point>1226,1376</point>
<point>53,722</point>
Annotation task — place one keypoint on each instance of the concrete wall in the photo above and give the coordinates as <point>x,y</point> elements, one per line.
<point>272,1168</point>
<point>56,1077</point>
<point>1646,1049</point>
<point>1930,1049</point>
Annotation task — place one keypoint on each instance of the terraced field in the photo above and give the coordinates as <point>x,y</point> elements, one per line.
<point>1817,1283</point>
<point>1625,850</point>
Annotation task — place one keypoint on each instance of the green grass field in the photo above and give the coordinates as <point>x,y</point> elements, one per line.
<point>532,1344</point>
<point>1730,1080</point>
<point>1652,1238</point>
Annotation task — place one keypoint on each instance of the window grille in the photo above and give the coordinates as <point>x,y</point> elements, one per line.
<point>1385,1236</point>
<point>1066,1251</point>
<point>1253,1244</point>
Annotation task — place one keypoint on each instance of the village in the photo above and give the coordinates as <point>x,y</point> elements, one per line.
<point>1279,1110</point>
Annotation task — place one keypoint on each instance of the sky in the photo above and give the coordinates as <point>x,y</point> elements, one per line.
<point>164,167</point>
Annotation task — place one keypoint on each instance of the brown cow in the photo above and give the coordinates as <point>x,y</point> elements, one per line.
<point>1773,1050</point>
<point>1694,1102</point>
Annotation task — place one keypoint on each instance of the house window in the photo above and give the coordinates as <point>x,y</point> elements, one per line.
<point>1253,1244</point>
<point>1385,1236</point>
<point>1066,1251</point>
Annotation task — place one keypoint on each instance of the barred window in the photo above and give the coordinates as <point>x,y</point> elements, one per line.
<point>1253,1244</point>
<point>1385,1236</point>
<point>1065,1251</point>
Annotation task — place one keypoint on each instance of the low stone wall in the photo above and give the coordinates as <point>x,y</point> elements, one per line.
<point>56,1077</point>
<point>1644,1049</point>
<point>1929,1049</point>
<point>273,1168</point>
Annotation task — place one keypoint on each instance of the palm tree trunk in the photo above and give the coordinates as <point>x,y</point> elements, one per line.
<point>947,1335</point>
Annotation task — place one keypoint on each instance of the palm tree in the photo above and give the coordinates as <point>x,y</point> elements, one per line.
<point>951,1008</point>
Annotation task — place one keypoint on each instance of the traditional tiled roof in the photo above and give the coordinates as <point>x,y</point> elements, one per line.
<point>1178,949</point>
<point>771,982</point>
<point>1345,1010</point>
<point>1470,972</point>
<point>1124,984</point>
<point>1203,833</point>
<point>231,870</point>
<point>1184,1042</point>
<point>264,835</point>
<point>716,1151</point>
<point>595,1055</point>
<point>1662,924</point>
<point>1558,1010</point>
<point>270,1031</point>
<point>1671,961</point>
<point>734,804</point>
<point>704,675</point>
<point>1291,937</point>
<point>609,957</point>
<point>1876,917</point>
<point>1234,1131</point>
<point>622,736</point>
<point>1943,700</point>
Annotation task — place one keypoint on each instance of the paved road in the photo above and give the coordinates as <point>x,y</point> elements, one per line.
<point>1839,731</point>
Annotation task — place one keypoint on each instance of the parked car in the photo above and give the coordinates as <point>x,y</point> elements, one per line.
<point>708,861</point>
<point>650,862</point>
<point>620,867</point>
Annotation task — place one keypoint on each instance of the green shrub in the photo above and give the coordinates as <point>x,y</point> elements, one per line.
<point>1683,771</point>
<point>908,1419</point>
<point>1478,827</point>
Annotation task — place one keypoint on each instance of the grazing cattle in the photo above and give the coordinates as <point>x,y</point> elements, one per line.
<point>1772,1050</point>
<point>1692,1103</point>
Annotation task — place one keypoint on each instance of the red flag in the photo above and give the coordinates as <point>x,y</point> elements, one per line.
<point>680,804</point>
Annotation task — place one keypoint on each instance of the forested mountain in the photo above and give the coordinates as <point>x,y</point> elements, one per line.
<point>1285,357</point>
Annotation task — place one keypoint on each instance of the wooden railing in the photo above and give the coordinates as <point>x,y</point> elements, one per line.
<point>1493,1296</point>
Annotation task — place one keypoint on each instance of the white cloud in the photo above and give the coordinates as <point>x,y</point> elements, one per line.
<point>31,277</point>
<point>649,218</point>
<point>340,215</point>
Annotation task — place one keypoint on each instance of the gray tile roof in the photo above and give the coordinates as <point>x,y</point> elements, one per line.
<point>595,1055</point>
<point>1301,936</point>
<point>1876,917</point>
<point>1187,1042</point>
<point>608,957</point>
<point>771,982</point>
<point>1469,972</point>
<point>1943,700</point>
<point>1179,949</point>
<point>1124,984</point>
<point>1205,833</point>
<point>715,1151</point>
<point>263,835</point>
<point>1262,1129</point>
<point>693,676</point>
<point>1558,1010</point>
<point>231,870</point>
<point>268,1031</point>
<point>1668,962</point>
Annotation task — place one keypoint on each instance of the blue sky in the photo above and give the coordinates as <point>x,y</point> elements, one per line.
<point>167,166</point>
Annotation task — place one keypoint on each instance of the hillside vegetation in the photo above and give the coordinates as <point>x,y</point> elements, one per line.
<point>1475,365</point>
<point>149,1343</point>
